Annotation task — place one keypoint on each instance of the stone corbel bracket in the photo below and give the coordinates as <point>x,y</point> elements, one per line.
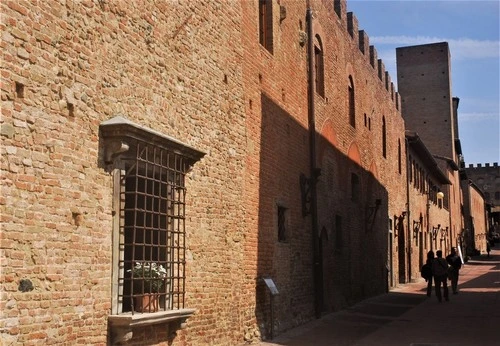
<point>113,148</point>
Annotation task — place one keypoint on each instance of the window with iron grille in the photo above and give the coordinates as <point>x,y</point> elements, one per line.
<point>149,232</point>
<point>152,231</point>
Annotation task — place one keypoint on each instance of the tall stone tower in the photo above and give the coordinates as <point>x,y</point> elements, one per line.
<point>424,82</point>
<point>428,108</point>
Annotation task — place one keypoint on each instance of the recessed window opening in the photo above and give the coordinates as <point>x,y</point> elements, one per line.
<point>399,156</point>
<point>355,187</point>
<point>352,107</point>
<point>71,109</point>
<point>282,231</point>
<point>19,90</point>
<point>319,69</point>
<point>266,24</point>
<point>384,138</point>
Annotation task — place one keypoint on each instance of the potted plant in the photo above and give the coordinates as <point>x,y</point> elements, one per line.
<point>148,280</point>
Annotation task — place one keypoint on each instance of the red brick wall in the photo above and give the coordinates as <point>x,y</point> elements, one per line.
<point>278,130</point>
<point>194,71</point>
<point>424,81</point>
<point>164,65</point>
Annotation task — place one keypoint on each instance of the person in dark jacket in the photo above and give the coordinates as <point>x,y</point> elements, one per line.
<point>456,263</point>
<point>427,272</point>
<point>440,272</point>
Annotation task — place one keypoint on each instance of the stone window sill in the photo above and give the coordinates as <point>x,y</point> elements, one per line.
<point>122,326</point>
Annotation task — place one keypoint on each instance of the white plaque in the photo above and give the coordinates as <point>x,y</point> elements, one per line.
<point>272,287</point>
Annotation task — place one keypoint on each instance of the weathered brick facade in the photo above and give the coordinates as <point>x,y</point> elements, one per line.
<point>196,72</point>
<point>429,108</point>
<point>487,178</point>
<point>481,186</point>
<point>476,228</point>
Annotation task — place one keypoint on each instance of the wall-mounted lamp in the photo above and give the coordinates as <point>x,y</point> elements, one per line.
<point>396,226</point>
<point>416,226</point>
<point>440,195</point>
<point>282,13</point>
<point>435,231</point>
<point>373,210</point>
<point>305,190</point>
<point>444,232</point>
<point>399,222</point>
<point>372,213</point>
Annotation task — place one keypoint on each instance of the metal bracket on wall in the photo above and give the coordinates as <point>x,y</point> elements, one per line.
<point>372,213</point>
<point>305,193</point>
<point>305,190</point>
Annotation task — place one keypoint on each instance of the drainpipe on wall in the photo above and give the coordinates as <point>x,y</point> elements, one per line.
<point>317,261</point>
<point>408,216</point>
<point>428,216</point>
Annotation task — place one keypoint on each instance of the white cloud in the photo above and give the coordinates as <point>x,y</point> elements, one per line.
<point>476,116</point>
<point>463,48</point>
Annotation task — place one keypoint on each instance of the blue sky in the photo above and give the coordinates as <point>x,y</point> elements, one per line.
<point>472,29</point>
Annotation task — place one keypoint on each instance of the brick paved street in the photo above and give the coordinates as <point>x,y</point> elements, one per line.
<point>405,316</point>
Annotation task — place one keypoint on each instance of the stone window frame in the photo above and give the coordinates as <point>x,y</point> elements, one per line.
<point>119,138</point>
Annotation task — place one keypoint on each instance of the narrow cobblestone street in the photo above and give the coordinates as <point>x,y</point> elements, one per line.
<point>405,316</point>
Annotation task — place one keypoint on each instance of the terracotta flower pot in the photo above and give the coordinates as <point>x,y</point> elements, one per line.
<point>149,302</point>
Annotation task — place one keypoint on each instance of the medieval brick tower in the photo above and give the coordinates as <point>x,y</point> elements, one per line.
<point>429,109</point>
<point>424,81</point>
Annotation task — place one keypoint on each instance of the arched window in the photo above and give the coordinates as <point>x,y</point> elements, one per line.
<point>352,108</point>
<point>319,69</point>
<point>384,138</point>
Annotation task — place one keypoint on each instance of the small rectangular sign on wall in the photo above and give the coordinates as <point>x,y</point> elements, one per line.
<point>272,287</point>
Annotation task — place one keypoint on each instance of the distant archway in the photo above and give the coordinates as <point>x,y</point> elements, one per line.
<point>328,138</point>
<point>354,153</point>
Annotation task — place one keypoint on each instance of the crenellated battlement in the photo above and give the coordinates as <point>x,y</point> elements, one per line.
<point>351,24</point>
<point>486,165</point>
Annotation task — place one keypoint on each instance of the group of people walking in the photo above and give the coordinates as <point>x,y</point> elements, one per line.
<point>439,270</point>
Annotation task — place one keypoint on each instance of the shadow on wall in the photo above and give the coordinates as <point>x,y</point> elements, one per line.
<point>352,226</point>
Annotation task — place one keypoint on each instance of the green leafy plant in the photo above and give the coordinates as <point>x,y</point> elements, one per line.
<point>148,276</point>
